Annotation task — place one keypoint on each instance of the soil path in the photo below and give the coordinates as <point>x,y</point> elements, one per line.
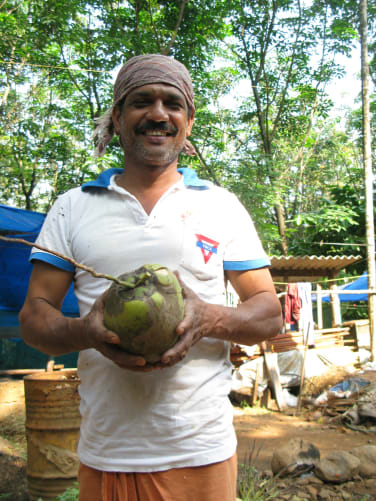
<point>266,431</point>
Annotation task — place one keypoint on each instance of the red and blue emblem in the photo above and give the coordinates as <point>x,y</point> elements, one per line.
<point>207,245</point>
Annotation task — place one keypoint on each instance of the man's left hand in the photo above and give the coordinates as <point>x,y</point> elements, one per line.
<point>191,329</point>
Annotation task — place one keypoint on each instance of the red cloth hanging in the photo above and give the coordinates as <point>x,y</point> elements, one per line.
<point>293,304</point>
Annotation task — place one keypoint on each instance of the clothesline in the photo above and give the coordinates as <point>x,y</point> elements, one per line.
<point>327,280</point>
<point>342,291</point>
<point>337,291</point>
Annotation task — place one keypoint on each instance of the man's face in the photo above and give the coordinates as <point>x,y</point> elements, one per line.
<point>153,125</point>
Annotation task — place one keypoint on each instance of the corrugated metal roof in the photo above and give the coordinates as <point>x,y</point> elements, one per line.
<point>300,268</point>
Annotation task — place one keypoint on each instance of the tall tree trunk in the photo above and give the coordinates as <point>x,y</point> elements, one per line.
<point>280,216</point>
<point>367,162</point>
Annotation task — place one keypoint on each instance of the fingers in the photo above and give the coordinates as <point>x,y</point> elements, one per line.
<point>124,359</point>
<point>109,337</point>
<point>177,352</point>
<point>107,342</point>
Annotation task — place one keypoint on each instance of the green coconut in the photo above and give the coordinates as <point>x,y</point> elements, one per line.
<point>144,310</point>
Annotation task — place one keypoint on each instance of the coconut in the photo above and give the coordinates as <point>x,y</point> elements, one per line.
<point>144,308</point>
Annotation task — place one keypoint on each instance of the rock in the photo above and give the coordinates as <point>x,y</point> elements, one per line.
<point>313,491</point>
<point>346,495</point>
<point>307,480</point>
<point>369,483</point>
<point>367,402</point>
<point>326,493</point>
<point>337,467</point>
<point>300,496</point>
<point>367,456</point>
<point>296,454</point>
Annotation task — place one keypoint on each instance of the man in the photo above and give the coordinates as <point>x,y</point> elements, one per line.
<point>161,432</point>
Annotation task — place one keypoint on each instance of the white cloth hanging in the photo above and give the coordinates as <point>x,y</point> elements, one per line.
<point>306,316</point>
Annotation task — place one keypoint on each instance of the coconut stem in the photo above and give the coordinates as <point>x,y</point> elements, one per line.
<point>66,258</point>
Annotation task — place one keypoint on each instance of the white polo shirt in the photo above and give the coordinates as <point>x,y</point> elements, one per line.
<point>178,416</point>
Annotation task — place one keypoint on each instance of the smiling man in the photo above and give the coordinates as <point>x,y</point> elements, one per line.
<point>152,123</point>
<point>159,432</point>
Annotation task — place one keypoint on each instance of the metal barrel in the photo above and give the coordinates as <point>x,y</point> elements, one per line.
<point>52,432</point>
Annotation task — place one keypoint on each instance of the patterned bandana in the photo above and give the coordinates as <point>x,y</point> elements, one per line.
<point>137,72</point>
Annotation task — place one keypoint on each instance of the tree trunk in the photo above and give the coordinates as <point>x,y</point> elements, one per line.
<point>367,162</point>
<point>280,216</point>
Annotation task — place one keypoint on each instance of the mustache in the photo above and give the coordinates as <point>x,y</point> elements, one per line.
<point>151,125</point>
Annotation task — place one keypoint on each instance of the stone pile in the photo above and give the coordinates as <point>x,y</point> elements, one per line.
<point>339,476</point>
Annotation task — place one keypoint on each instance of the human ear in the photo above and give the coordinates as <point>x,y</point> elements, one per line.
<point>116,113</point>
<point>189,126</point>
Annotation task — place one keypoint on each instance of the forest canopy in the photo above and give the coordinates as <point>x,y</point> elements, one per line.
<point>277,143</point>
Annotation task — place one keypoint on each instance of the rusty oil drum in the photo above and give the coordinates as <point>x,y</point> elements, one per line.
<point>52,432</point>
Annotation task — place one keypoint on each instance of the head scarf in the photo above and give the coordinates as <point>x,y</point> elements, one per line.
<point>137,72</point>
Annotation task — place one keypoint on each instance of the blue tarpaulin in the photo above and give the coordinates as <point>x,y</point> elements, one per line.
<point>15,268</point>
<point>360,284</point>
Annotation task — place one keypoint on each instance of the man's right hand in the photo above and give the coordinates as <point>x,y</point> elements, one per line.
<point>107,341</point>
<point>44,327</point>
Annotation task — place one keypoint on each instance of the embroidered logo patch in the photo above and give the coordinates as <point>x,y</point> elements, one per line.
<point>207,245</point>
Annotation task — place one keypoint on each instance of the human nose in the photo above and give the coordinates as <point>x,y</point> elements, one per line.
<point>157,112</point>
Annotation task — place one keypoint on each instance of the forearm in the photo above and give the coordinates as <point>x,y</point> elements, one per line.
<point>256,319</point>
<point>47,329</point>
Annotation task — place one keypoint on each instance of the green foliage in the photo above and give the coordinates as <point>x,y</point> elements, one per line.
<point>59,59</point>
<point>244,404</point>
<point>336,227</point>
<point>70,494</point>
<point>259,70</point>
<point>253,485</point>
<point>356,311</point>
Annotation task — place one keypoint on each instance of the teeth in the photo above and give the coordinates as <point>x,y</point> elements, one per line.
<point>156,133</point>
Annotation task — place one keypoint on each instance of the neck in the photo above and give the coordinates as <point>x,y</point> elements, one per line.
<point>148,184</point>
<point>141,178</point>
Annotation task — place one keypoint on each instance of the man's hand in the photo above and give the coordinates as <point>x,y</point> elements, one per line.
<point>44,327</point>
<point>106,341</point>
<point>191,329</point>
<point>257,317</point>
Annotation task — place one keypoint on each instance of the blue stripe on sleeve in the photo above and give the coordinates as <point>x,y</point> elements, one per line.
<point>246,265</point>
<point>56,261</point>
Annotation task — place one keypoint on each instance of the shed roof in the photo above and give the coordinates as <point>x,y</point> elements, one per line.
<point>308,268</point>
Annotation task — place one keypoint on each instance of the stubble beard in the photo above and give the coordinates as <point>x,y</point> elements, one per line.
<point>149,156</point>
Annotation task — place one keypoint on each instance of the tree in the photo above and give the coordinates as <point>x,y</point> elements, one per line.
<point>274,44</point>
<point>368,175</point>
<point>273,144</point>
<point>69,52</point>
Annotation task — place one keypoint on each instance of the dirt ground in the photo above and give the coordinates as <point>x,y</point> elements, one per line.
<point>259,430</point>
<point>266,431</point>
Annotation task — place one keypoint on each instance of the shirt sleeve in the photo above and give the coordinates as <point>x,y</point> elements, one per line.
<point>244,250</point>
<point>54,236</point>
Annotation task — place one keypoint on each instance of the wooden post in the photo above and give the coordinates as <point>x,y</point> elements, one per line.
<point>319,307</point>
<point>256,383</point>
<point>272,370</point>
<point>336,308</point>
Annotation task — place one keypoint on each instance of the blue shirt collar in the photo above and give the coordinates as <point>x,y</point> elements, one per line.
<point>191,180</point>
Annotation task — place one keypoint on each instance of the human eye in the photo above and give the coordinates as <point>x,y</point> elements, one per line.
<point>139,100</point>
<point>140,103</point>
<point>175,104</point>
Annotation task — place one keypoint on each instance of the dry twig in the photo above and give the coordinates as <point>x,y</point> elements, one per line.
<point>93,272</point>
